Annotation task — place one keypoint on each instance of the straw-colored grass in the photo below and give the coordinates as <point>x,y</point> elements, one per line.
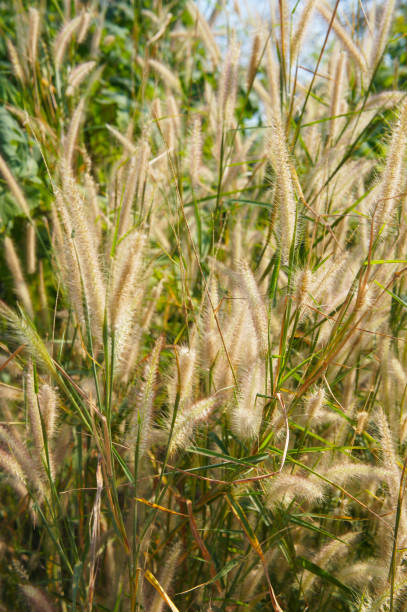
<point>203,317</point>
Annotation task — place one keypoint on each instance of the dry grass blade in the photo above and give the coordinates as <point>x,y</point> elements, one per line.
<point>154,582</point>
<point>96,517</point>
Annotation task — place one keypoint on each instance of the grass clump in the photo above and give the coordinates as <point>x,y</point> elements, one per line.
<point>203,312</point>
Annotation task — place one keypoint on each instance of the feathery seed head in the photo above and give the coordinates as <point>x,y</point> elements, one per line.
<point>48,401</point>
<point>345,473</point>
<point>187,360</point>
<point>166,74</point>
<point>228,84</point>
<point>382,33</point>
<point>37,600</point>
<point>247,413</point>
<point>195,150</point>
<point>205,31</point>
<point>34,418</point>
<point>27,334</point>
<point>86,19</point>
<point>284,488</point>
<point>314,403</point>
<point>301,29</point>
<point>165,578</point>
<point>140,425</point>
<point>33,33</point>
<point>11,466</point>
<point>391,177</point>
<point>62,40</point>
<point>343,36</point>
<point>72,135</point>
<point>31,249</point>
<point>20,285</point>
<point>78,75</point>
<point>14,187</point>
<point>254,61</point>
<point>362,419</point>
<point>31,470</point>
<point>256,305</point>
<point>302,284</point>
<point>187,420</point>
<point>15,61</point>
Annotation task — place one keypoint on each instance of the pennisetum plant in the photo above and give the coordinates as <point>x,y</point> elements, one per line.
<point>203,314</point>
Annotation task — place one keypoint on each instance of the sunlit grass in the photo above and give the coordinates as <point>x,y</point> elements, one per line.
<point>203,346</point>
